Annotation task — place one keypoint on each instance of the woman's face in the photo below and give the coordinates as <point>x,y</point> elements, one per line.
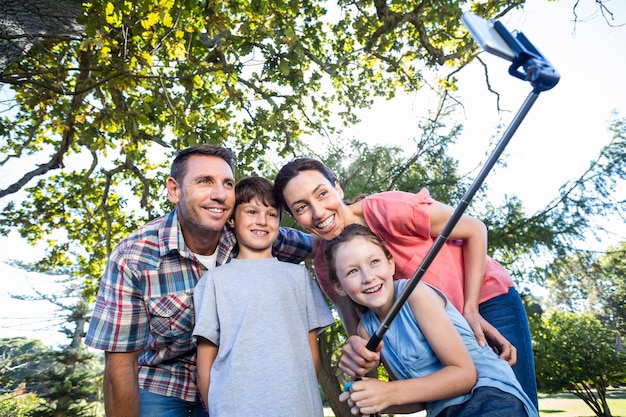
<point>316,204</point>
<point>365,274</point>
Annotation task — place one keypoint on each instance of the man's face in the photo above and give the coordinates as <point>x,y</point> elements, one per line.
<point>205,197</point>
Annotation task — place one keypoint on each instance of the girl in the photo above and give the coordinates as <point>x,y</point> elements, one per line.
<point>429,347</point>
<point>408,223</point>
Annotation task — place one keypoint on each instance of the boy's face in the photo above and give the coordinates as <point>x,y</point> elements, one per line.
<point>256,227</point>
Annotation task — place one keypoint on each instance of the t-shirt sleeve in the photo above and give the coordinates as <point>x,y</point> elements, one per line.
<point>318,313</point>
<point>205,307</point>
<point>398,213</point>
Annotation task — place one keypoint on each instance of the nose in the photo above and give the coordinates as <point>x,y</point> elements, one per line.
<point>218,192</point>
<point>317,210</point>
<point>366,276</point>
<point>261,219</point>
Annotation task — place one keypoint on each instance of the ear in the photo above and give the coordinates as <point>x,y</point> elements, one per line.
<point>338,288</point>
<point>231,222</point>
<point>339,189</point>
<point>173,190</point>
<point>392,265</point>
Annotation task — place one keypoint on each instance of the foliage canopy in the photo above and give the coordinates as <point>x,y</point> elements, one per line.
<point>94,118</point>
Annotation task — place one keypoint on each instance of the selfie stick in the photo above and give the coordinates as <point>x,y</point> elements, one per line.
<point>527,64</point>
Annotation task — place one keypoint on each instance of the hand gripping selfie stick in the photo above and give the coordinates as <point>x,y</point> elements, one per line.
<point>528,64</point>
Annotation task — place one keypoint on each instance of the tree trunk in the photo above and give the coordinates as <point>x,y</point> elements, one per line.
<point>23,23</point>
<point>329,382</point>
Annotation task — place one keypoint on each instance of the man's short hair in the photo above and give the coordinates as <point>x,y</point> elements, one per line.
<point>257,187</point>
<point>179,166</point>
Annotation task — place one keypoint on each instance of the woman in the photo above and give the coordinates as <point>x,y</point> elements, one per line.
<point>479,287</point>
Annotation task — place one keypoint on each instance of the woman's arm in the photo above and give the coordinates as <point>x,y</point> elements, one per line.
<point>473,233</point>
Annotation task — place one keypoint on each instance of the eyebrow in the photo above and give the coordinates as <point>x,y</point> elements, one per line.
<point>213,177</point>
<point>301,200</point>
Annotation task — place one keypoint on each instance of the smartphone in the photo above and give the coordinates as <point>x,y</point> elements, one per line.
<point>486,36</point>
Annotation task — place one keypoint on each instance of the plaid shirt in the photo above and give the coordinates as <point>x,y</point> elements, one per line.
<point>145,301</point>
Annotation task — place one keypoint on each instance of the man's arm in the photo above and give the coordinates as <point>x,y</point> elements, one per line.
<point>121,384</point>
<point>292,245</point>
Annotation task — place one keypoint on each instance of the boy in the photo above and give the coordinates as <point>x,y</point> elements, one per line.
<point>257,321</point>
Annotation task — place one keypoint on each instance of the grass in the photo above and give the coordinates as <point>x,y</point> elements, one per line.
<point>560,405</point>
<point>568,405</point>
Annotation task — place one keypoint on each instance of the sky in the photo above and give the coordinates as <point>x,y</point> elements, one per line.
<point>565,128</point>
<point>563,131</point>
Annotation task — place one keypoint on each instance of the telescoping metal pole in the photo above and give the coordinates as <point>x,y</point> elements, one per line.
<point>527,64</point>
<point>452,221</point>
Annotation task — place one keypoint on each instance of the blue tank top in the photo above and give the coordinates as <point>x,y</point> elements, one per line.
<point>408,354</point>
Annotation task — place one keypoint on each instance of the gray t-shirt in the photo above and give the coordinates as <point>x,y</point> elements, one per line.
<point>259,312</point>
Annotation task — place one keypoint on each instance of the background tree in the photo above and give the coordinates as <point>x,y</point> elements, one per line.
<point>97,117</point>
<point>593,283</point>
<point>67,380</point>
<point>16,363</point>
<point>576,352</point>
<point>613,266</point>
<point>39,381</point>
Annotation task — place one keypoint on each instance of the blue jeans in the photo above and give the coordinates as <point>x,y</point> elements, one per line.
<point>506,313</point>
<point>154,405</point>
<point>487,402</point>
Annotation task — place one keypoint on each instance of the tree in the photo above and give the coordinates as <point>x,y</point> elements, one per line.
<point>65,380</point>
<point>574,351</point>
<point>16,362</point>
<point>593,283</point>
<point>100,115</point>
<point>613,266</point>
<point>38,381</point>
<point>25,23</point>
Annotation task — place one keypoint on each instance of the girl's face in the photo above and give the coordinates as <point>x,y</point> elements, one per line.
<point>316,204</point>
<point>365,274</point>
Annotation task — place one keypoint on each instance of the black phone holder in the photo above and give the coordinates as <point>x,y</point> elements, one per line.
<point>536,69</point>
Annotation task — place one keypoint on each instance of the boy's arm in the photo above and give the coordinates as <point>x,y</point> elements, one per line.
<point>315,353</point>
<point>207,352</point>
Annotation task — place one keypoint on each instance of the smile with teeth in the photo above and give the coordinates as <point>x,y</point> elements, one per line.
<point>373,289</point>
<point>215,210</point>
<point>259,233</point>
<point>326,223</point>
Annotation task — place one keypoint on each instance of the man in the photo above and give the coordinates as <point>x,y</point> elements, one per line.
<point>143,318</point>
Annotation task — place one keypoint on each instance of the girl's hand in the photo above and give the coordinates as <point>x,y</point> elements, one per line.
<point>368,396</point>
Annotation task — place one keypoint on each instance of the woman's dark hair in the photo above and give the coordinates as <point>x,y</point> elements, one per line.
<point>256,187</point>
<point>179,166</point>
<point>292,169</point>
<point>351,231</point>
